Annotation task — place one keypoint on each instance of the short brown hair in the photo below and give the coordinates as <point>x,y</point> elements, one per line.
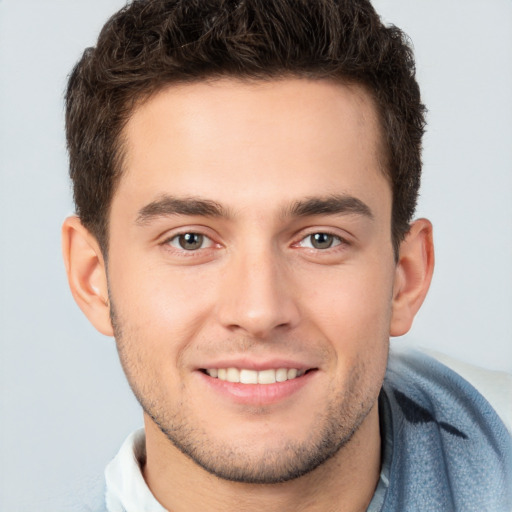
<point>152,43</point>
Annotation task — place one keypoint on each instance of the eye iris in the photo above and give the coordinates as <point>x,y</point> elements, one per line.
<point>191,241</point>
<point>321,240</point>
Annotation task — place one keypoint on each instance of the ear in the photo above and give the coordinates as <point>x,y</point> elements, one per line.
<point>413,275</point>
<point>86,272</point>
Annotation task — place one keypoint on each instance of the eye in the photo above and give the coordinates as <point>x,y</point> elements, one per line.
<point>320,241</point>
<point>190,241</point>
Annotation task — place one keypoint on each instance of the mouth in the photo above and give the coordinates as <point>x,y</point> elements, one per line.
<point>257,384</point>
<point>248,376</point>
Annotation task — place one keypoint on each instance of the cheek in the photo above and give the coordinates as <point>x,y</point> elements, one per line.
<point>161,294</point>
<point>354,306</point>
<point>159,311</point>
<point>353,315</point>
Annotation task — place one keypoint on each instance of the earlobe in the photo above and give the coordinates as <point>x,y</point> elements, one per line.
<point>86,271</point>
<point>413,276</point>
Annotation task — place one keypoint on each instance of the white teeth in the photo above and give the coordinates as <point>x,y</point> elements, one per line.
<point>267,377</point>
<point>292,373</point>
<point>245,376</point>
<point>233,375</point>
<point>248,376</point>
<point>281,375</point>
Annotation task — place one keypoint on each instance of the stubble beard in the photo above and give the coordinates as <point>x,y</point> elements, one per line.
<point>232,461</point>
<point>287,462</point>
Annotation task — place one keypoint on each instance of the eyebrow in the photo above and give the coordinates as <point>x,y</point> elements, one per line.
<point>169,205</point>
<point>331,205</point>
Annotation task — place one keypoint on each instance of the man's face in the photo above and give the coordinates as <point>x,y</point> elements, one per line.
<point>250,239</point>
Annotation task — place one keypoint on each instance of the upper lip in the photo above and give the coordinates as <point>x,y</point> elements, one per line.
<point>258,365</point>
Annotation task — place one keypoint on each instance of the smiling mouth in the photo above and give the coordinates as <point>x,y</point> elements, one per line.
<point>245,376</point>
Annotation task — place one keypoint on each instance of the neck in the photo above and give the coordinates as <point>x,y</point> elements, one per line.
<point>344,483</point>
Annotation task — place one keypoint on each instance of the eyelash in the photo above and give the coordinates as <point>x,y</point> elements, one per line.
<point>336,241</point>
<point>176,238</point>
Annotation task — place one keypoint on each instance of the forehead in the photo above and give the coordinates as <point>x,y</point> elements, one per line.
<point>266,140</point>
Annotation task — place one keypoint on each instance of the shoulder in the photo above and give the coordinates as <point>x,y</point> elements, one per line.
<point>84,495</point>
<point>494,386</point>
<point>441,376</point>
<point>450,389</point>
<point>450,449</point>
<point>91,496</point>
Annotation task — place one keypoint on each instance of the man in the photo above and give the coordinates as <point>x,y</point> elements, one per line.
<point>245,176</point>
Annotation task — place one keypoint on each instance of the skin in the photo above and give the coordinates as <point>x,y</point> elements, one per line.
<point>255,160</point>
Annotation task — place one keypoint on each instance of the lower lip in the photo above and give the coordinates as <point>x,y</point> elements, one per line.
<point>257,394</point>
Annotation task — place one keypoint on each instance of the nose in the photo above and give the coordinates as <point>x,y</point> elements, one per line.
<point>257,297</point>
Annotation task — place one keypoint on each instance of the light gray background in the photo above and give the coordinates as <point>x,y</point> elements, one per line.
<point>64,404</point>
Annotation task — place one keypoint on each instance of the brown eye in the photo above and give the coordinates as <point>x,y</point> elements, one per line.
<point>190,241</point>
